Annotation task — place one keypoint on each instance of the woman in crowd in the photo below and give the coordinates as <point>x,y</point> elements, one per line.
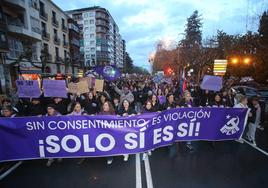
<point>170,102</point>
<point>90,104</point>
<point>51,111</point>
<point>101,100</point>
<point>36,108</point>
<point>126,110</point>
<point>77,110</point>
<point>161,97</point>
<point>107,109</point>
<point>155,103</point>
<point>8,111</point>
<point>217,103</point>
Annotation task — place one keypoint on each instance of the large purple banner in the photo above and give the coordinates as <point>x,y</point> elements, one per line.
<point>90,136</point>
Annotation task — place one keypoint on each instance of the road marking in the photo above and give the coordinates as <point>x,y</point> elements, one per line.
<point>148,173</point>
<point>257,148</point>
<point>10,170</point>
<point>138,171</point>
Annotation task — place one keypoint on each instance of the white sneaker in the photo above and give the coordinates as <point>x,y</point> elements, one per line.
<point>144,156</point>
<point>254,143</point>
<point>149,152</point>
<point>126,157</point>
<point>240,141</point>
<point>109,161</point>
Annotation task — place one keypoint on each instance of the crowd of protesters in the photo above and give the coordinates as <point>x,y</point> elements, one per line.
<point>128,97</point>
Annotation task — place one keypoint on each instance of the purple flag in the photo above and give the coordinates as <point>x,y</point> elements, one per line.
<point>213,83</point>
<point>54,88</point>
<point>28,88</point>
<point>90,136</point>
<point>108,72</point>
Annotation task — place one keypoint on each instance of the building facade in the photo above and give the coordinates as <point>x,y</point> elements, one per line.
<point>74,44</point>
<point>55,37</point>
<point>101,43</point>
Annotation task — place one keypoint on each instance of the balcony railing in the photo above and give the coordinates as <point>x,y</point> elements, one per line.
<point>55,22</point>
<point>43,15</point>
<point>56,40</point>
<point>45,36</point>
<point>64,28</point>
<point>57,58</point>
<point>65,44</point>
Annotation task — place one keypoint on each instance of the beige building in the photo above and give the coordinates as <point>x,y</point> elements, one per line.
<point>55,36</point>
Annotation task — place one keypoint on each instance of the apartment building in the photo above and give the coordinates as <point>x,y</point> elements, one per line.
<point>55,37</point>
<point>101,41</point>
<point>74,45</point>
<point>24,39</point>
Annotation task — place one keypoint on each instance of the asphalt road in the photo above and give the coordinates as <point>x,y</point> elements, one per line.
<point>221,164</point>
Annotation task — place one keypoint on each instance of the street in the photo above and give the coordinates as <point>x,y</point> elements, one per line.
<point>219,164</point>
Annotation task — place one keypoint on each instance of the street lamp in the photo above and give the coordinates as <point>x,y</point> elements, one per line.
<point>247,61</point>
<point>234,61</point>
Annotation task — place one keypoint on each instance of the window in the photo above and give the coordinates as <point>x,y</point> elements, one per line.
<point>86,22</point>
<point>86,29</point>
<point>42,7</point>
<point>64,38</point>
<point>44,28</point>
<point>57,53</point>
<point>15,48</point>
<point>92,36</point>
<point>55,33</point>
<point>87,56</point>
<point>35,24</point>
<point>45,48</point>
<point>54,17</point>
<point>91,21</point>
<point>92,42</point>
<point>92,28</point>
<point>65,54</point>
<point>85,15</point>
<point>92,49</point>
<point>91,14</point>
<point>34,52</point>
<point>63,22</point>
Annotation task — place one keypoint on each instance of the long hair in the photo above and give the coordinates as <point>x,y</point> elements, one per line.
<point>111,108</point>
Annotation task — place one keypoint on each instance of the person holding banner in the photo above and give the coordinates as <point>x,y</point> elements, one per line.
<point>107,109</point>
<point>51,111</point>
<point>8,111</point>
<point>187,101</point>
<point>124,111</point>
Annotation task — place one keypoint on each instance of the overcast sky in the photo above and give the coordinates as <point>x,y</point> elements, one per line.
<point>143,22</point>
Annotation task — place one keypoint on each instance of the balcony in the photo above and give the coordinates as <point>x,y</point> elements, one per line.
<point>65,44</point>
<point>57,58</point>
<point>43,15</point>
<point>102,16</point>
<point>56,40</point>
<point>102,23</point>
<point>17,4</point>
<point>64,28</point>
<point>45,36</point>
<point>55,22</point>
